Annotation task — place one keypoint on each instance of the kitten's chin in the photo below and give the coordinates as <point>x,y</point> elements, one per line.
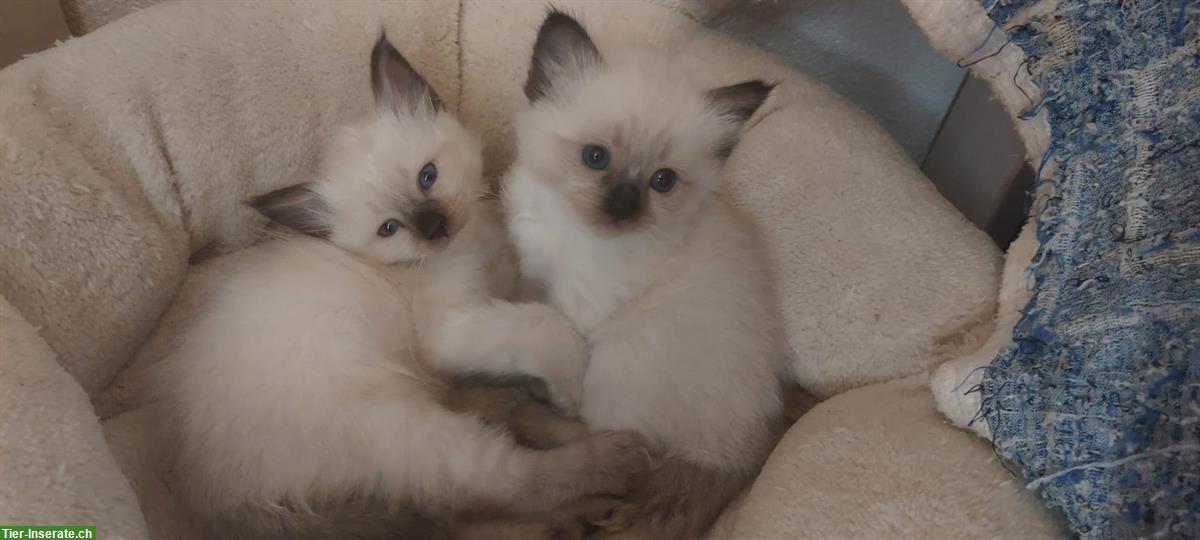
<point>430,250</point>
<point>605,226</point>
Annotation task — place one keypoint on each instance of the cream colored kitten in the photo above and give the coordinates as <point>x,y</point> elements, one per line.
<point>310,393</point>
<point>611,206</point>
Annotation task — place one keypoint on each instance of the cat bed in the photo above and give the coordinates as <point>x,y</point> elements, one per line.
<point>125,155</point>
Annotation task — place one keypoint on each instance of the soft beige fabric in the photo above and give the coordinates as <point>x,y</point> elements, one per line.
<point>147,455</point>
<point>860,238</point>
<point>127,151</point>
<point>54,466</point>
<point>953,383</point>
<point>76,232</point>
<point>879,462</point>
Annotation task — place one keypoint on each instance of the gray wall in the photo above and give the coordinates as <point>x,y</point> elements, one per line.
<point>870,51</point>
<point>28,26</point>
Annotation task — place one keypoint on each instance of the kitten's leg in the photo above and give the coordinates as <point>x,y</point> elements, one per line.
<point>515,407</point>
<point>492,400</point>
<point>502,338</point>
<point>679,500</point>
<point>520,529</point>
<point>454,464</point>
<point>535,425</point>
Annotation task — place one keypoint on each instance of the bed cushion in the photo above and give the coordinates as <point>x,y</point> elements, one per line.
<point>55,468</point>
<point>879,462</point>
<point>126,153</point>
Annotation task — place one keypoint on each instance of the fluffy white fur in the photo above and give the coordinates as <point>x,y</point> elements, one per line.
<point>310,392</point>
<point>686,344</point>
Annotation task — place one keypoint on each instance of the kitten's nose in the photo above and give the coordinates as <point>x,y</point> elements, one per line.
<point>431,223</point>
<point>623,201</point>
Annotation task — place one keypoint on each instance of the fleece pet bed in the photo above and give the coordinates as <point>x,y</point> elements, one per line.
<point>125,155</point>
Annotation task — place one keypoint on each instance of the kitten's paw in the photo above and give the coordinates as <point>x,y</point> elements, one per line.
<point>620,461</point>
<point>565,396</point>
<point>609,513</point>
<point>563,371</point>
<point>559,356</point>
<point>522,529</point>
<point>605,463</point>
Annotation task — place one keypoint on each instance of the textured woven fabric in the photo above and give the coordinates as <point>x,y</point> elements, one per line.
<point>1098,400</point>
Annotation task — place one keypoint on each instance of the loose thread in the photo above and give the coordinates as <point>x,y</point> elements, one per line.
<point>979,414</point>
<point>1039,482</point>
<point>960,63</point>
<point>1003,462</point>
<point>1024,64</point>
<point>968,376</point>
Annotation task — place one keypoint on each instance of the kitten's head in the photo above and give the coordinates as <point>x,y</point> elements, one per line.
<point>630,141</point>
<point>396,186</point>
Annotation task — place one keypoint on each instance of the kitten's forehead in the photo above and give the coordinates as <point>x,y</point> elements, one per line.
<point>386,153</point>
<point>647,118</point>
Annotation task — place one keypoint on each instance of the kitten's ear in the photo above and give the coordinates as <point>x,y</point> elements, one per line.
<point>396,84</point>
<point>735,104</point>
<point>298,207</point>
<point>563,49</point>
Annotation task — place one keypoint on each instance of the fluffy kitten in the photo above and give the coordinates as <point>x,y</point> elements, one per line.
<point>611,206</point>
<point>310,392</point>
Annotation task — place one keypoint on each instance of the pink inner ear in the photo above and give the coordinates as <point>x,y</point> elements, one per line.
<point>296,207</point>
<point>396,83</point>
<point>407,90</point>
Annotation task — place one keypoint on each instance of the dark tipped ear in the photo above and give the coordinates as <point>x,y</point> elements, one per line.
<point>735,104</point>
<point>297,207</point>
<point>396,84</point>
<point>563,49</point>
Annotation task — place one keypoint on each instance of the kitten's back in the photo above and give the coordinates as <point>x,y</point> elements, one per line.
<point>299,333</point>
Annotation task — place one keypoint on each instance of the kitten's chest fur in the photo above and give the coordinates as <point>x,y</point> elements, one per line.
<point>586,277</point>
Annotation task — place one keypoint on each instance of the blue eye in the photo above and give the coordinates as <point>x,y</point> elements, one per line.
<point>389,228</point>
<point>595,157</point>
<point>663,180</point>
<point>428,176</point>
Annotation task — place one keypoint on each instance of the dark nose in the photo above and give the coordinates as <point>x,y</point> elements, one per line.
<point>431,223</point>
<point>623,201</point>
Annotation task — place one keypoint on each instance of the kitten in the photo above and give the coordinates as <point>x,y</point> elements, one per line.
<point>611,206</point>
<point>310,392</point>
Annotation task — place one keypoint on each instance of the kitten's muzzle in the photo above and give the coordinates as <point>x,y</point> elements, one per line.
<point>623,202</point>
<point>431,223</point>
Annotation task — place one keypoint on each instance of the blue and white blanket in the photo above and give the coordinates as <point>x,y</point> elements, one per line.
<point>1098,400</point>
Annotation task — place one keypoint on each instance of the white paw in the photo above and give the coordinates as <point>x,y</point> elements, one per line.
<point>565,386</point>
<point>558,355</point>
